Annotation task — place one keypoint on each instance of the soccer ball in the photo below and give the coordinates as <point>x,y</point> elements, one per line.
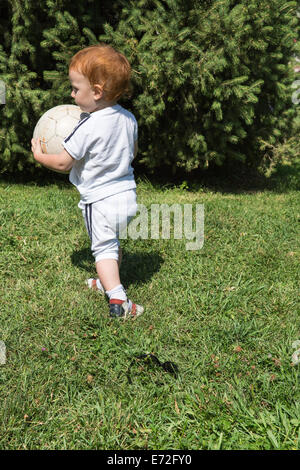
<point>55,125</point>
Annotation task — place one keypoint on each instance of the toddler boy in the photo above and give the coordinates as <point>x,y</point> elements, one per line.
<point>98,154</point>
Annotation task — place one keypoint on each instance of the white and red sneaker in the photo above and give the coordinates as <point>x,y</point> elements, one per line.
<point>95,284</point>
<point>124,309</point>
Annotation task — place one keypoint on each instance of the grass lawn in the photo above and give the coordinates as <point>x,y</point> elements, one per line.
<point>226,315</point>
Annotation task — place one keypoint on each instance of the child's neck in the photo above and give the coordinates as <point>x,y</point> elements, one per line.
<point>103,104</point>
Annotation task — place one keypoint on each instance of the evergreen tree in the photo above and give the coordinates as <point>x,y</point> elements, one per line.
<point>212,78</point>
<point>37,39</point>
<point>76,25</point>
<point>23,95</point>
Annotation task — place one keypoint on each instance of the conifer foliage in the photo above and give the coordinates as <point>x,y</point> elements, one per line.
<point>23,93</point>
<point>37,39</point>
<point>211,78</point>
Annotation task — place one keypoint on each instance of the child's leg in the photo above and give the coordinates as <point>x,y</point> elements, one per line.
<point>108,272</point>
<point>101,221</point>
<point>119,305</point>
<point>96,284</point>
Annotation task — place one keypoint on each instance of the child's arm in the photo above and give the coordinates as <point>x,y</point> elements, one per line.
<point>61,162</point>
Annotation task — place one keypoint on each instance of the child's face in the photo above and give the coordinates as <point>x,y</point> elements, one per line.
<point>86,97</point>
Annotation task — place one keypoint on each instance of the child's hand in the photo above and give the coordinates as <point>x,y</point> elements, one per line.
<point>36,147</point>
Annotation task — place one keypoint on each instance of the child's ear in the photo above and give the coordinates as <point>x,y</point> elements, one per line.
<point>98,91</point>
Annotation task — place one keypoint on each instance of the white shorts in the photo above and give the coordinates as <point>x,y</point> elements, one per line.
<point>105,219</point>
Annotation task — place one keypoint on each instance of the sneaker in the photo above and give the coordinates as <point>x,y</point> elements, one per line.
<point>127,309</point>
<point>95,285</point>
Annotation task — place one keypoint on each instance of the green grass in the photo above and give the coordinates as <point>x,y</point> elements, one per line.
<point>226,315</point>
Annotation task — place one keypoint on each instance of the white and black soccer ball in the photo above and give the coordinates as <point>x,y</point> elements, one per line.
<point>55,125</point>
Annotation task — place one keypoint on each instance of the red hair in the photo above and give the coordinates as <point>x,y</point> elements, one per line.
<point>104,66</point>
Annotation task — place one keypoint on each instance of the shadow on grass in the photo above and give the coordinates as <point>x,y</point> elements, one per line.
<point>234,179</point>
<point>41,178</point>
<point>136,268</point>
